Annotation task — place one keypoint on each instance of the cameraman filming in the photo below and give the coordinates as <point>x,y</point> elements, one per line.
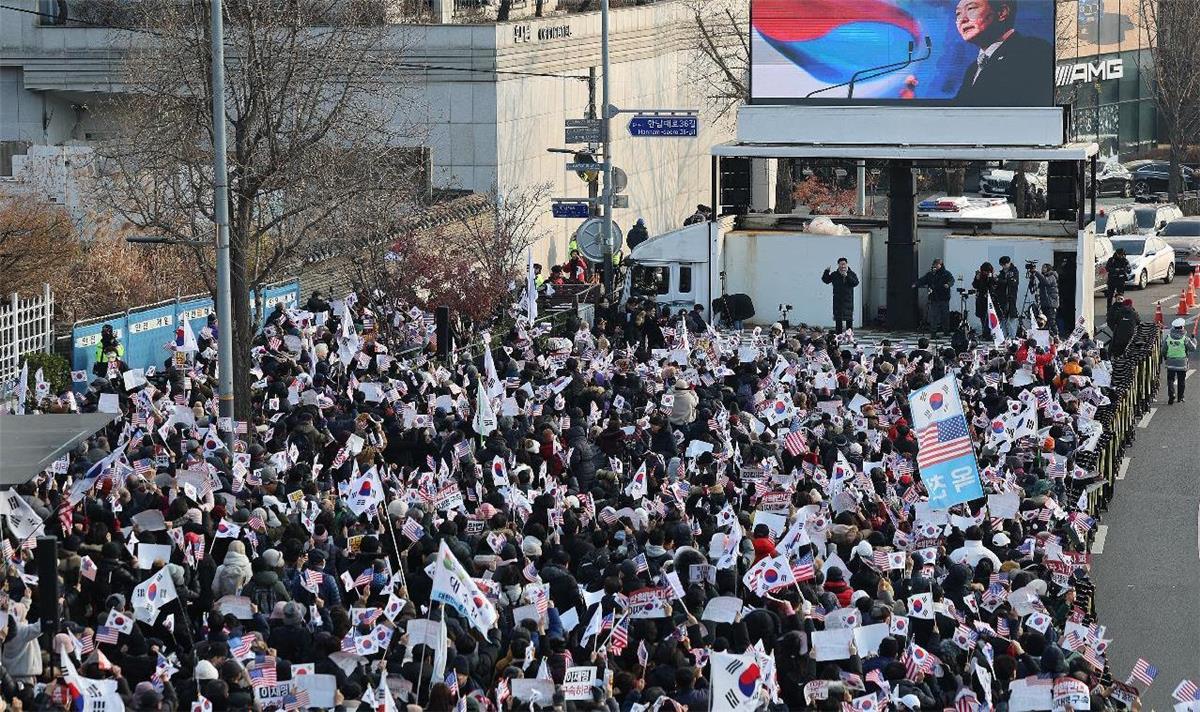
<point>1118,274</point>
<point>1047,285</point>
<point>1008,284</point>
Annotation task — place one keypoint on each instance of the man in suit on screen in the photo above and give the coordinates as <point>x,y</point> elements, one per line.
<point>1011,69</point>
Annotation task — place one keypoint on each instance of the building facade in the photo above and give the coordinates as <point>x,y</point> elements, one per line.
<point>491,98</point>
<point>1104,73</point>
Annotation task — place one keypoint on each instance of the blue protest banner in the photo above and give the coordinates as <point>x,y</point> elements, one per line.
<point>945,453</point>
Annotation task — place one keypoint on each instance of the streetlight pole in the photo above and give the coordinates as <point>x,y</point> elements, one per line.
<point>605,113</point>
<point>221,214</point>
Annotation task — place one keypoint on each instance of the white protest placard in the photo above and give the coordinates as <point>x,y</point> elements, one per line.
<point>722,609</point>
<point>649,603</point>
<point>147,554</point>
<point>109,403</point>
<point>150,520</point>
<point>868,637</point>
<point>422,631</point>
<point>702,572</point>
<point>321,688</point>
<point>569,620</point>
<point>1004,506</point>
<point>239,607</point>
<point>1070,694</point>
<point>777,523</point>
<point>1030,694</point>
<point>832,644</point>
<point>538,692</point>
<point>272,695</point>
<point>527,613</point>
<point>577,683</point>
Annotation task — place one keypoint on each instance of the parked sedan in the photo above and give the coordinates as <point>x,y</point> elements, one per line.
<point>1183,235</point>
<point>1150,258</point>
<point>1153,218</point>
<point>1112,178</point>
<point>1103,250</point>
<point>1155,177</point>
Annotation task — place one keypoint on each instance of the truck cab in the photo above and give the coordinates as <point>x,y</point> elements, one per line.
<point>672,268</point>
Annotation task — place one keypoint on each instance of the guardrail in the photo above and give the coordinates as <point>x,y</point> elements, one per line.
<point>26,326</point>
<point>1135,380</point>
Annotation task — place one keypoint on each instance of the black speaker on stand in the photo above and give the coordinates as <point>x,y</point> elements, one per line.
<point>442,326</point>
<point>46,556</point>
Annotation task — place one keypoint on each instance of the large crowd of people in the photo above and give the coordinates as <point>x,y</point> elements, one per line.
<point>644,514</point>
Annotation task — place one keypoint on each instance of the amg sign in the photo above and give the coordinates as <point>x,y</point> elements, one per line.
<point>1098,71</point>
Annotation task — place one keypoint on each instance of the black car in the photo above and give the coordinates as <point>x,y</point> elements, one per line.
<point>1154,178</point>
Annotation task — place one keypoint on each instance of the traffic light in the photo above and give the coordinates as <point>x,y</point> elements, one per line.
<point>586,176</point>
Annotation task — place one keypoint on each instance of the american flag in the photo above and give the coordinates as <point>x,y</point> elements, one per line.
<point>606,622</point>
<point>1186,691</point>
<point>239,646</point>
<point>1143,672</point>
<point>876,676</point>
<point>794,443</point>
<point>503,693</point>
<point>1093,657</point>
<point>942,441</point>
<point>1002,627</point>
<point>66,515</point>
<point>314,579</point>
<point>885,392</point>
<point>531,572</point>
<point>452,682</point>
<point>462,449</point>
<point>541,599</point>
<point>643,566</point>
<point>106,634</point>
<point>263,675</point>
<point>412,529</point>
<point>256,522</point>
<point>620,636</point>
<point>1057,468</point>
<point>802,570</point>
<point>296,698</point>
<point>364,578</point>
<point>902,466</point>
<point>87,642</point>
<point>879,558</point>
<point>607,516</point>
<point>144,467</point>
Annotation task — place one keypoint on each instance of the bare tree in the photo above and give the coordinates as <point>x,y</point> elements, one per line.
<point>719,30</point>
<point>498,237</point>
<point>1172,30</point>
<point>314,95</point>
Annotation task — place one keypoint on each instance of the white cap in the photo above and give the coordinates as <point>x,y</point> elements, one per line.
<point>863,550</point>
<point>910,701</point>
<point>1178,323</point>
<point>1001,539</point>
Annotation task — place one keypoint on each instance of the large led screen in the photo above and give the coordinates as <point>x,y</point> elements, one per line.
<point>944,52</point>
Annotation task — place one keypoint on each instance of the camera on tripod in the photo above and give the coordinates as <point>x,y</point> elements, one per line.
<point>784,309</point>
<point>1030,265</point>
<point>966,292</point>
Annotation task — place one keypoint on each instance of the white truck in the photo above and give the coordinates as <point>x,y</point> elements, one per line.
<point>777,263</point>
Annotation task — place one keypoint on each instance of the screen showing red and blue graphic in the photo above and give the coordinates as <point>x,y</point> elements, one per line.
<point>945,52</point>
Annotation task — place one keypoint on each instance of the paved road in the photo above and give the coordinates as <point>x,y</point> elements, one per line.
<point>1147,553</point>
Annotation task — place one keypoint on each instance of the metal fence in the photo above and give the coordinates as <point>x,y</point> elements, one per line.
<point>26,326</point>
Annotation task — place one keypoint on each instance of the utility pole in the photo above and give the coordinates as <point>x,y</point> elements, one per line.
<point>860,201</point>
<point>221,214</point>
<point>594,183</point>
<point>606,139</point>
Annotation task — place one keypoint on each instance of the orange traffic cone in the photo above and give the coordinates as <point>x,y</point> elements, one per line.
<point>1191,296</point>
<point>1158,315</point>
<point>1195,278</point>
<point>1183,308</point>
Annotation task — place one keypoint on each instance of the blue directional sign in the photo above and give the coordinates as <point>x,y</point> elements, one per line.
<point>570,210</point>
<point>664,126</point>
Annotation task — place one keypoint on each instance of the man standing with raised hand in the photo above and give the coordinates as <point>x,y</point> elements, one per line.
<point>844,281</point>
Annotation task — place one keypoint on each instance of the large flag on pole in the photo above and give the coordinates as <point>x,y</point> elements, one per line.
<point>735,682</point>
<point>994,323</point>
<point>944,451</point>
<point>485,416</point>
<point>531,309</point>
<point>453,586</point>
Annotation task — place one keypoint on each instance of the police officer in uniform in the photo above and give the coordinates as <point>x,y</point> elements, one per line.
<point>1177,346</point>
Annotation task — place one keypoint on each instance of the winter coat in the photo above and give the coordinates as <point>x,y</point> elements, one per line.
<point>234,573</point>
<point>843,292</point>
<point>939,282</point>
<point>265,590</point>
<point>683,410</point>
<point>22,655</point>
<point>583,457</point>
<point>984,284</point>
<point>1008,284</point>
<point>1047,291</point>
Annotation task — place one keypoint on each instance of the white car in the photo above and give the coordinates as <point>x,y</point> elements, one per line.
<point>1150,258</point>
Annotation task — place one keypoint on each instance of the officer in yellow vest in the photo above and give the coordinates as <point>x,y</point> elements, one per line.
<point>1177,347</point>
